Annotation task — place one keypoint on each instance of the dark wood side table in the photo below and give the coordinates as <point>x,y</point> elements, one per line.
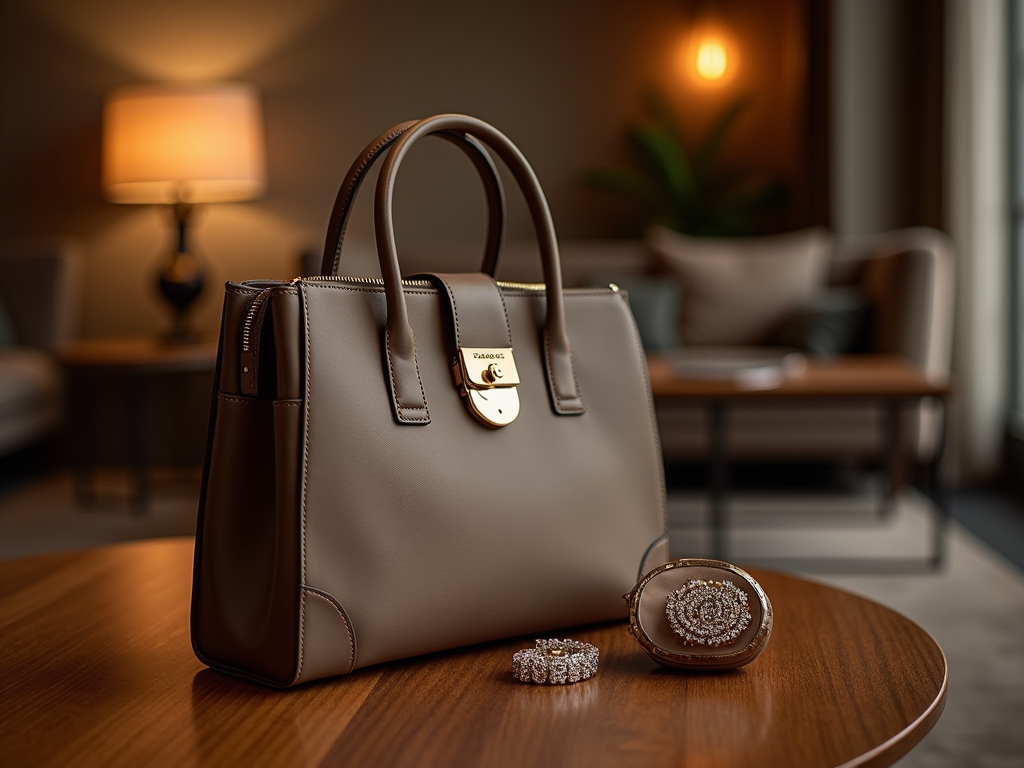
<point>96,669</point>
<point>95,363</point>
<point>892,381</point>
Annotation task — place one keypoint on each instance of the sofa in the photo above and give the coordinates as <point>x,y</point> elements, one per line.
<point>904,277</point>
<point>40,283</point>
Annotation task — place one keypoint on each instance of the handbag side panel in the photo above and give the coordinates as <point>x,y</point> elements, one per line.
<point>246,599</point>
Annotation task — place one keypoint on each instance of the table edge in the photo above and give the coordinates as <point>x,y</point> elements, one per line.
<point>901,743</point>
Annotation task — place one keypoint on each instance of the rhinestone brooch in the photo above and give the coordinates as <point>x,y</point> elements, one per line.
<point>709,613</point>
<point>555,662</point>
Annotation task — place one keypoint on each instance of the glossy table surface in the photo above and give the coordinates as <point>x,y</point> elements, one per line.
<point>96,669</point>
<point>852,376</point>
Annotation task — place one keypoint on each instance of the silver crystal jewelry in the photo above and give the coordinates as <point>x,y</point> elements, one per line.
<point>704,612</point>
<point>555,662</point>
<point>675,585</point>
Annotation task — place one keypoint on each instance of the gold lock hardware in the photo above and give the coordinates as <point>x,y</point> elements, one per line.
<point>487,377</point>
<point>493,373</point>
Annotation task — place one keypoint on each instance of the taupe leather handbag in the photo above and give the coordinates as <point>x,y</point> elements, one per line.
<point>399,466</point>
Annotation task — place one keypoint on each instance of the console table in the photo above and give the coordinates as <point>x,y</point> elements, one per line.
<point>96,669</point>
<point>96,363</point>
<point>890,380</point>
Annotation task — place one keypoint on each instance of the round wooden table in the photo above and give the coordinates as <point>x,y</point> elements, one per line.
<point>96,669</point>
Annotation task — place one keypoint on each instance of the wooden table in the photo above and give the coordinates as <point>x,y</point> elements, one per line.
<point>96,363</point>
<point>891,380</point>
<point>96,670</point>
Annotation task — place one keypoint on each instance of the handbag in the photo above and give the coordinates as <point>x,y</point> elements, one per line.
<point>401,466</point>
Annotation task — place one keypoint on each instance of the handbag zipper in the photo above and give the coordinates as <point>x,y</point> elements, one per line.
<point>254,307</point>
<point>414,283</point>
<point>250,314</point>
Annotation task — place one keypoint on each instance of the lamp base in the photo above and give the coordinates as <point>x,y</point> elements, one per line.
<point>180,333</point>
<point>181,280</point>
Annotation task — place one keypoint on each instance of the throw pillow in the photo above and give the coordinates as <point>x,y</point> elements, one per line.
<point>832,322</point>
<point>737,291</point>
<point>655,305</point>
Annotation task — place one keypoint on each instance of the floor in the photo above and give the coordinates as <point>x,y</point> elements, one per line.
<point>973,606</point>
<point>994,516</point>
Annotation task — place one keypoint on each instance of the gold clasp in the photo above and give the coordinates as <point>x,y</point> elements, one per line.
<point>487,377</point>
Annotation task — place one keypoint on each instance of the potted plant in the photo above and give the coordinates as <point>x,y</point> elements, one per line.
<point>691,192</point>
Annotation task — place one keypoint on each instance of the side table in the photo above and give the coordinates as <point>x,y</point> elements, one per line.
<point>92,363</point>
<point>887,379</point>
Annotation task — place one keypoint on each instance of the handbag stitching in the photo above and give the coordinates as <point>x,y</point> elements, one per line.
<point>344,617</point>
<point>554,390</point>
<point>378,290</point>
<point>305,485</point>
<point>242,400</point>
<point>302,628</point>
<point>394,392</point>
<point>576,381</point>
<point>455,311</point>
<point>369,157</point>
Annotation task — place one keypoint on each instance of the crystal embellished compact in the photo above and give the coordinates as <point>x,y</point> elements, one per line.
<point>700,614</point>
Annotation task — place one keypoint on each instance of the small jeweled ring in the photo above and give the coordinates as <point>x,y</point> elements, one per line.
<point>555,662</point>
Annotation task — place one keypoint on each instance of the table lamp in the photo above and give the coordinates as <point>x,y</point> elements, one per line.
<point>182,145</point>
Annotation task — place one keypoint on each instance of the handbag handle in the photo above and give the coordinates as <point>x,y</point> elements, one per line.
<point>331,262</point>
<point>407,388</point>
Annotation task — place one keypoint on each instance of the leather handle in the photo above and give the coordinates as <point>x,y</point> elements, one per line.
<point>400,344</point>
<point>357,172</point>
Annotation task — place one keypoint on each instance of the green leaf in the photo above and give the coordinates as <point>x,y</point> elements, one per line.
<point>661,111</point>
<point>710,149</point>
<point>756,196</point>
<point>629,184</point>
<point>665,161</point>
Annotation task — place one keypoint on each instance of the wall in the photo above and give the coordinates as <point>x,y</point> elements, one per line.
<point>866,54</point>
<point>561,79</point>
<point>888,136</point>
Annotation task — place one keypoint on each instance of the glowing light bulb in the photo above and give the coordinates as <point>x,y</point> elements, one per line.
<point>712,59</point>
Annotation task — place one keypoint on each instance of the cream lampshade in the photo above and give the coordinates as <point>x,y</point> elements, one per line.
<point>182,145</point>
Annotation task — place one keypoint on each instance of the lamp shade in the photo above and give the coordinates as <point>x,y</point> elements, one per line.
<point>187,143</point>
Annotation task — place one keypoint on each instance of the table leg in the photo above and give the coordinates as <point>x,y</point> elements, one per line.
<point>937,493</point>
<point>81,439</point>
<point>138,402</point>
<point>719,471</point>
<point>890,456</point>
